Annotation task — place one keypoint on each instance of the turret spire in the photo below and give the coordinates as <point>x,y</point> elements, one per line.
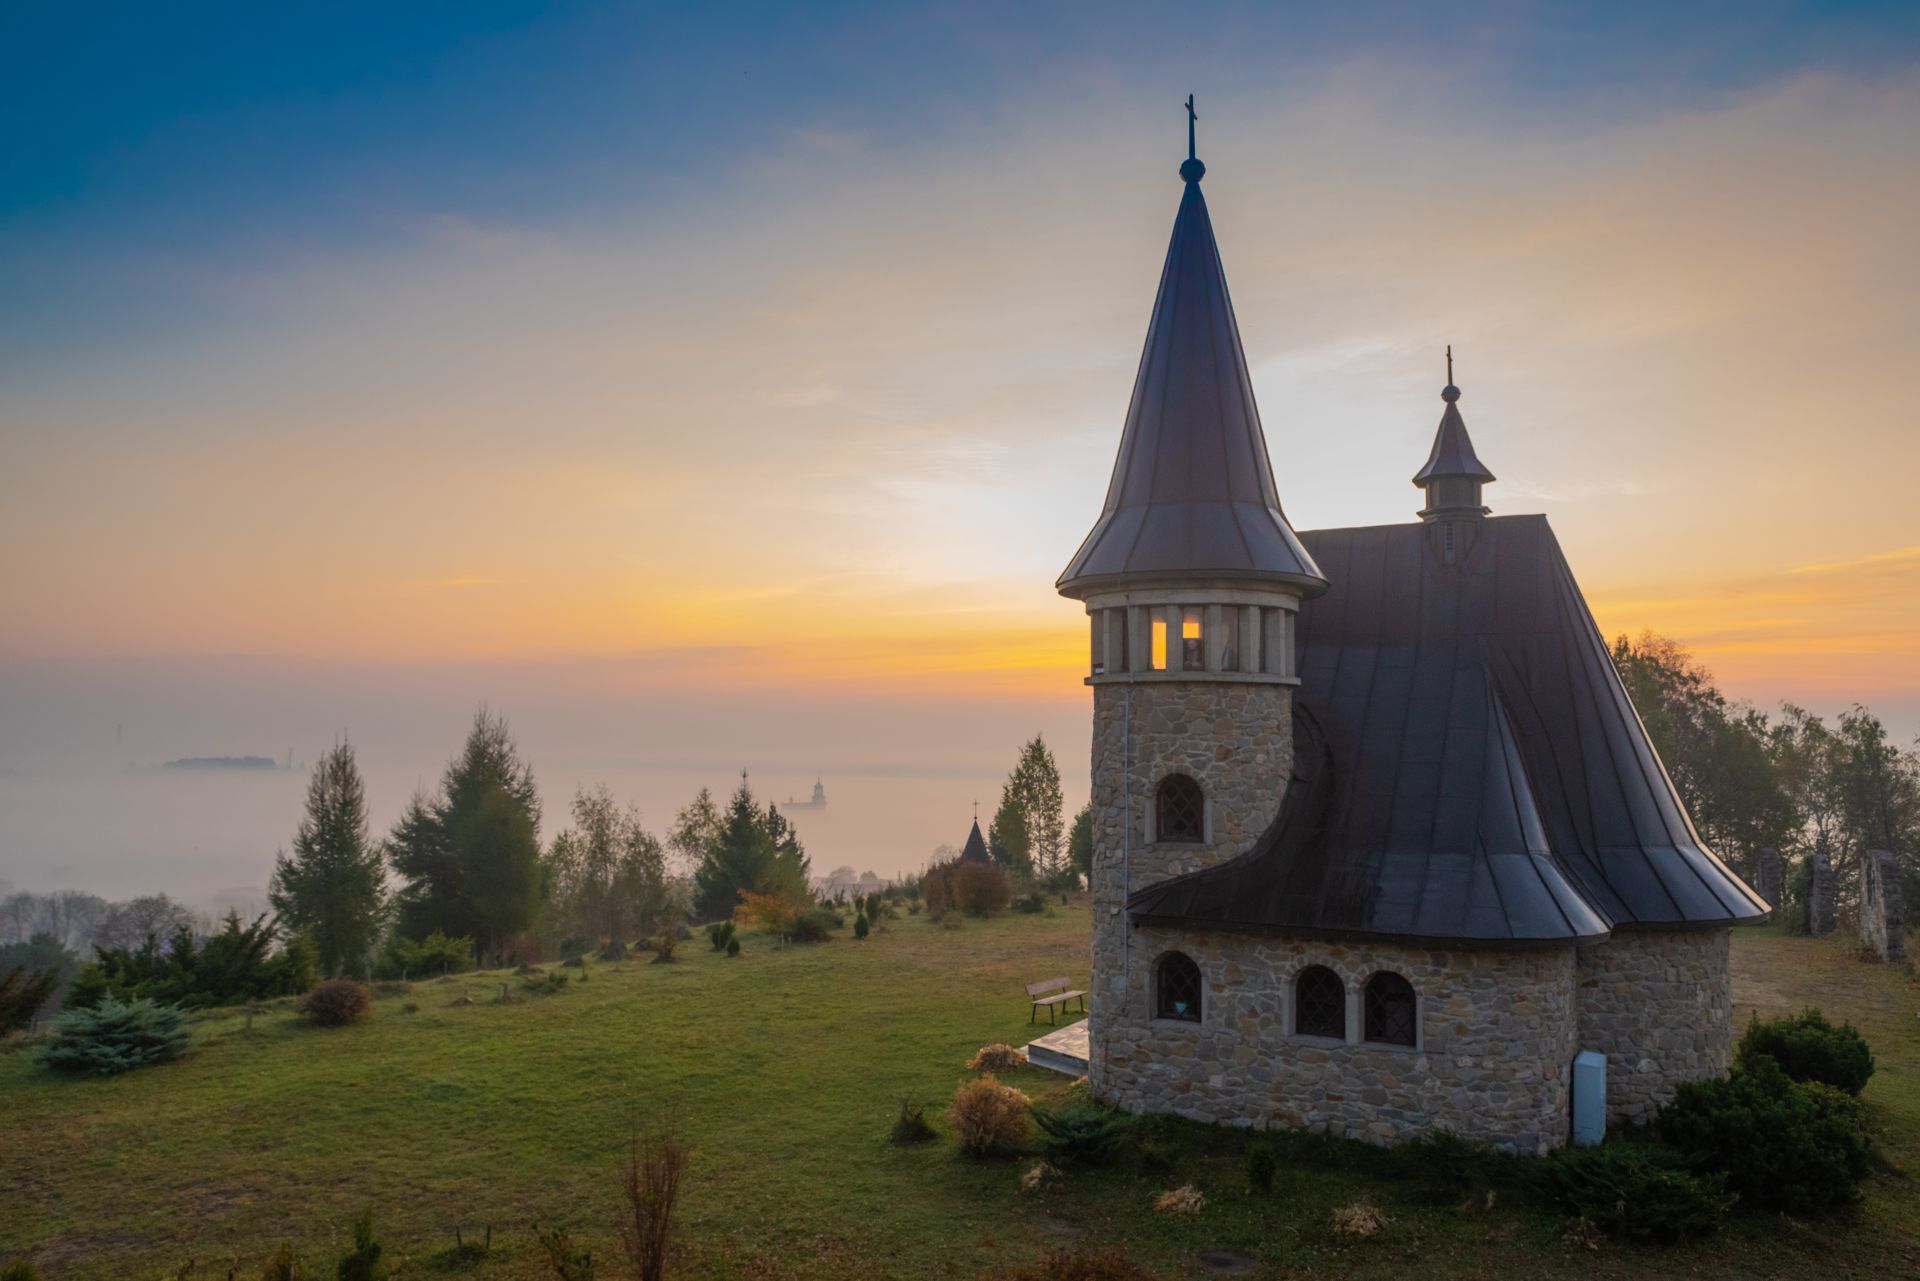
<point>1193,492</point>
<point>1453,474</point>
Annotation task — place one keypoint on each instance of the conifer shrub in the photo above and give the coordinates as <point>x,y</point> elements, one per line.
<point>1086,1134</point>
<point>22,993</point>
<point>20,1270</point>
<point>1031,904</point>
<point>549,984</point>
<point>721,933</point>
<point>615,950</point>
<point>1263,1162</point>
<point>816,925</point>
<point>860,927</point>
<point>988,1117</point>
<point>911,1126</point>
<point>362,1263</point>
<point>436,954</point>
<point>1448,1168</point>
<point>565,1261</point>
<point>336,1003</point>
<point>116,1037</point>
<point>733,947</point>
<point>1809,1048</point>
<point>1782,1145</point>
<point>1636,1190</point>
<point>282,1265</point>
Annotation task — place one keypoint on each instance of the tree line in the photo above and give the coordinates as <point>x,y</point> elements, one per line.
<point>1792,781</point>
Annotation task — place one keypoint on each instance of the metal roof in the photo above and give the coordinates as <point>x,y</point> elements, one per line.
<point>1192,490</point>
<point>1452,453</point>
<point>1468,768</point>
<point>975,850</point>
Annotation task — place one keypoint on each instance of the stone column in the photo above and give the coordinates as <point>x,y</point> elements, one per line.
<point>1820,896</point>
<point>1771,874</point>
<point>1883,917</point>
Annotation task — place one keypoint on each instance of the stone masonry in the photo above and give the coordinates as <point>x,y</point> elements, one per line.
<point>1659,1005</point>
<point>1771,878</point>
<point>1821,895</point>
<point>1883,917</point>
<point>1493,1059</point>
<point>1235,739</point>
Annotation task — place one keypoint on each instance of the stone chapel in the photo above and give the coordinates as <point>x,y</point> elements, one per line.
<point>1380,843</point>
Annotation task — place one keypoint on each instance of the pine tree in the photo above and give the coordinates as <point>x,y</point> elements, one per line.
<point>741,856</point>
<point>1039,788</point>
<point>1007,837</point>
<point>470,857</point>
<point>1080,843</point>
<point>334,886</point>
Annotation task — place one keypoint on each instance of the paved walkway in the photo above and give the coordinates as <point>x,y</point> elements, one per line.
<point>1063,1050</point>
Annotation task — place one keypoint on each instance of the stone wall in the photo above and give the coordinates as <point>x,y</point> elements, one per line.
<point>1883,917</point>
<point>1659,1005</point>
<point>1770,878</point>
<point>1494,1059</point>
<point>1822,894</point>
<point>1235,739</point>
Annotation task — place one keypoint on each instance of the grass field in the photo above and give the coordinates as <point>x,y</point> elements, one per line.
<point>784,1067</point>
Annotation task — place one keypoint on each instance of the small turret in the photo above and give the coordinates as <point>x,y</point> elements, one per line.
<point>1452,478</point>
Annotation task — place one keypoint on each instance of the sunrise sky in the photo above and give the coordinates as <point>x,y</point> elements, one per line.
<point>783,352</point>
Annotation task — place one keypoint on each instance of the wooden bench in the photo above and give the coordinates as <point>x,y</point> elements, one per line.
<point>1052,993</point>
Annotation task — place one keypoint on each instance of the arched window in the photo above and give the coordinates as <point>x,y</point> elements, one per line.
<point>1176,988</point>
<point>1180,811</point>
<point>1392,1017</point>
<point>1320,1003</point>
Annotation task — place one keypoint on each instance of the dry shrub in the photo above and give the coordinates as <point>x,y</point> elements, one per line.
<point>664,948</point>
<point>1361,1219</point>
<point>773,913</point>
<point>337,1002</point>
<point>977,889</point>
<point>1581,1234</point>
<point>1037,1176</point>
<point>281,1265</point>
<point>1181,1200</point>
<point>1077,1263</point>
<point>988,1116</point>
<point>996,1058</point>
<point>650,1187</point>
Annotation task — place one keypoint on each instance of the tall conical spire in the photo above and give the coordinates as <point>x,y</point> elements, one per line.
<point>1193,493</point>
<point>1453,474</point>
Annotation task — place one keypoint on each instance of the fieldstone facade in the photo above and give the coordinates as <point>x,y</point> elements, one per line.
<point>1493,1059</point>
<point>1883,917</point>
<point>1822,895</point>
<point>1770,878</point>
<point>1659,1005</point>
<point>1234,739</point>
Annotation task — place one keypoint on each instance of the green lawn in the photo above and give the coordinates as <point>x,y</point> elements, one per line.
<point>784,1067</point>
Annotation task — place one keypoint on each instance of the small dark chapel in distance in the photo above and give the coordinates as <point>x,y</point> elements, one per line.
<point>1380,844</point>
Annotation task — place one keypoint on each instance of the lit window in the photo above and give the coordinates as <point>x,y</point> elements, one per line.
<point>1159,644</point>
<point>1177,988</point>
<point>1192,656</point>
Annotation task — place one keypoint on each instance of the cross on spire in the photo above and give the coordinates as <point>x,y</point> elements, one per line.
<point>1449,364</point>
<point>1191,169</point>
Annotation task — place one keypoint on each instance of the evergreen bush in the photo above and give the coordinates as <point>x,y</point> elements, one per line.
<point>860,926</point>
<point>1446,1167</point>
<point>1085,1134</point>
<point>815,925</point>
<point>115,1037</point>
<point>1636,1190</point>
<point>1808,1048</point>
<point>362,1263</point>
<point>337,1002</point>
<point>911,1125</point>
<point>22,993</point>
<point>20,1270</point>
<point>733,947</point>
<point>1783,1145</point>
<point>1263,1162</point>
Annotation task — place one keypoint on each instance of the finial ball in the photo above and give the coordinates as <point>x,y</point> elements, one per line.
<point>1449,393</point>
<point>1192,170</point>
